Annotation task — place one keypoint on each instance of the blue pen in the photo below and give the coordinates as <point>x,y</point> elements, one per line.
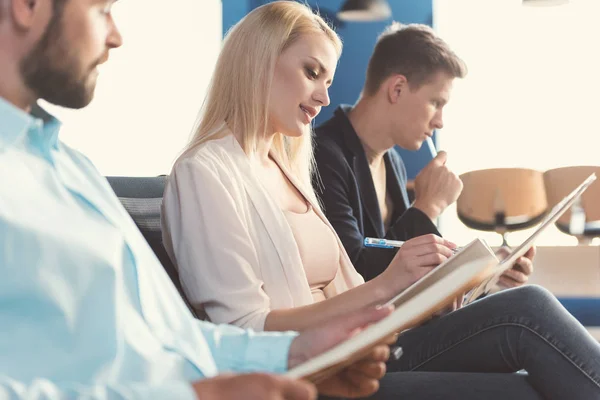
<point>390,244</point>
<point>383,243</point>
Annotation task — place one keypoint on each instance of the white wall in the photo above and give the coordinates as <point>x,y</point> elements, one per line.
<point>531,96</point>
<point>151,89</point>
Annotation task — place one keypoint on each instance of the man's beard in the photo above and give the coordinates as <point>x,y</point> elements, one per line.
<point>52,70</point>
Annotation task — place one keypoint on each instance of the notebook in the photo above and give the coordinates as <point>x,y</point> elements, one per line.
<point>474,269</point>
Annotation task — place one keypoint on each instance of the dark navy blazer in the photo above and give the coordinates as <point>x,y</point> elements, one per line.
<point>345,187</point>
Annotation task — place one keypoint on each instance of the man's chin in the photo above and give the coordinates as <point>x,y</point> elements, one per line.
<point>76,98</point>
<point>86,102</point>
<point>410,143</point>
<point>415,146</point>
<point>73,102</point>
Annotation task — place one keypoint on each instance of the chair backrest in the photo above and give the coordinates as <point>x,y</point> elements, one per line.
<point>142,198</point>
<point>561,181</point>
<point>518,192</point>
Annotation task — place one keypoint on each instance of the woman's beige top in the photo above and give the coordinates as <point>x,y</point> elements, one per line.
<point>235,252</point>
<point>318,250</point>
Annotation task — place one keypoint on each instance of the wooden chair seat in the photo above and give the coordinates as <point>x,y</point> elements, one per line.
<point>559,182</point>
<point>502,199</point>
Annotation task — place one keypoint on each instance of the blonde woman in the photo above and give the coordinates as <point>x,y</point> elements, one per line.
<point>241,223</point>
<point>243,184</point>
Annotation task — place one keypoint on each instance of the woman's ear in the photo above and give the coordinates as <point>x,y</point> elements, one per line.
<point>396,85</point>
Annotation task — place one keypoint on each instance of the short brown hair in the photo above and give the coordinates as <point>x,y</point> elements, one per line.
<point>414,51</point>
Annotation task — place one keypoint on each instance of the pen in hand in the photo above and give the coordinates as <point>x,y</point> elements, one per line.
<point>431,147</point>
<point>391,244</point>
<point>383,243</point>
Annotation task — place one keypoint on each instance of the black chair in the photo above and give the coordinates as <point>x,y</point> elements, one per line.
<point>142,198</point>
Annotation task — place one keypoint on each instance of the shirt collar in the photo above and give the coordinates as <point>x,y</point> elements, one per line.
<point>39,124</point>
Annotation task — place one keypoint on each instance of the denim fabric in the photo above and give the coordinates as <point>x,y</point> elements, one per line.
<point>518,329</point>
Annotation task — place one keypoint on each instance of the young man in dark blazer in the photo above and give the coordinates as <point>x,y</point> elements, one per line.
<point>362,179</point>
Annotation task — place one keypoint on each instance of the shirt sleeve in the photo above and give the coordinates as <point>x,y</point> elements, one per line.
<point>42,389</point>
<point>211,245</point>
<point>242,350</point>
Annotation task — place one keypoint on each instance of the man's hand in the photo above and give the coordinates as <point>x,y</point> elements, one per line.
<point>358,380</point>
<point>520,272</point>
<point>436,187</point>
<point>254,387</point>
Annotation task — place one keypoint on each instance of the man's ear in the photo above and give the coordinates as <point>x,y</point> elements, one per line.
<point>24,12</point>
<point>396,85</point>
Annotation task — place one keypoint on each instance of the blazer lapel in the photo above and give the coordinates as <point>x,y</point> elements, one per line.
<point>361,169</point>
<point>275,223</point>
<point>396,186</point>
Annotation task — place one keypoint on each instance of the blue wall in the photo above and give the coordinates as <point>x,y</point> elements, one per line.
<point>359,40</point>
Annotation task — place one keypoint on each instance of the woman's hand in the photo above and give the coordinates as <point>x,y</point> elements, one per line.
<point>415,258</point>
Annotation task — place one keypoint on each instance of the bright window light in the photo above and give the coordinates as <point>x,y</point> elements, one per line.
<point>530,98</point>
<point>151,89</point>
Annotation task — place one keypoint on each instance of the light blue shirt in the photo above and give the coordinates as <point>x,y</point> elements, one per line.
<point>86,309</point>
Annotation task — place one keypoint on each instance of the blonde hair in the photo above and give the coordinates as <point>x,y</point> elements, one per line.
<point>238,94</point>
